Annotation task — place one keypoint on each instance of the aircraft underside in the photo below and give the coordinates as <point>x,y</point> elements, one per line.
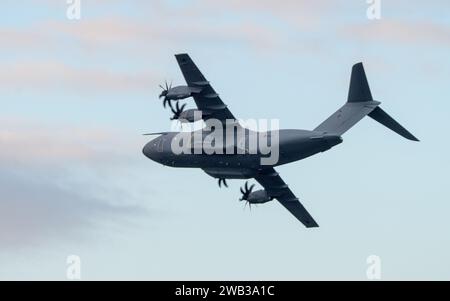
<point>272,148</point>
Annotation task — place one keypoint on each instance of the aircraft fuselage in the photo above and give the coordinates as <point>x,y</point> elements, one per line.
<point>290,146</point>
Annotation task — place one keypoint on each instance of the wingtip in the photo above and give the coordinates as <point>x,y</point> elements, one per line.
<point>311,224</point>
<point>410,137</point>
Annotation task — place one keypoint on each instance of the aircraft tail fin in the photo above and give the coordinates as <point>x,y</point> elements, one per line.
<point>359,90</point>
<point>359,104</point>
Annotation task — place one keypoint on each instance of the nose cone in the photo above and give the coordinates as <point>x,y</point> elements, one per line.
<point>147,150</point>
<point>150,151</point>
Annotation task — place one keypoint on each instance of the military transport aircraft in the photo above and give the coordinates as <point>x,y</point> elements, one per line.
<point>244,163</point>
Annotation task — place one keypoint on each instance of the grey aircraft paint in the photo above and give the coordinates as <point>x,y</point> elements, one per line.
<point>293,145</point>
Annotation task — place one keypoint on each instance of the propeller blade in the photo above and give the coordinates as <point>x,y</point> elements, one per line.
<point>164,92</point>
<point>170,104</point>
<point>173,110</point>
<point>177,110</point>
<point>246,191</point>
<point>224,182</point>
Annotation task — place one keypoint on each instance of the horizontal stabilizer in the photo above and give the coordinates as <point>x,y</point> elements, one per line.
<point>359,104</point>
<point>346,117</point>
<point>382,117</point>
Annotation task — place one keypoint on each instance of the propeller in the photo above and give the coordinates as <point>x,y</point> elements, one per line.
<point>177,110</point>
<point>246,193</point>
<point>224,181</point>
<point>164,92</point>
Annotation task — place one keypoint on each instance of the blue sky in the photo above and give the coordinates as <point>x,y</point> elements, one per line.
<point>77,95</point>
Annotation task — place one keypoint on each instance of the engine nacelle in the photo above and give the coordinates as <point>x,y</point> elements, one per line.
<point>259,197</point>
<point>191,115</point>
<point>181,92</point>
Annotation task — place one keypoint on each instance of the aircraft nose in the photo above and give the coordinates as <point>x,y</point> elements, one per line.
<point>149,151</point>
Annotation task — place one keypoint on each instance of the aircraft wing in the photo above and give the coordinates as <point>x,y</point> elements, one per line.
<point>208,101</point>
<point>277,188</point>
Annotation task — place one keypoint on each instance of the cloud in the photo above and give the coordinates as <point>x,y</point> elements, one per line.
<point>146,37</point>
<point>91,42</point>
<point>197,22</point>
<point>19,39</point>
<point>30,142</point>
<point>56,76</point>
<point>35,210</point>
<point>400,32</point>
<point>302,14</point>
<point>51,183</point>
<point>76,55</point>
